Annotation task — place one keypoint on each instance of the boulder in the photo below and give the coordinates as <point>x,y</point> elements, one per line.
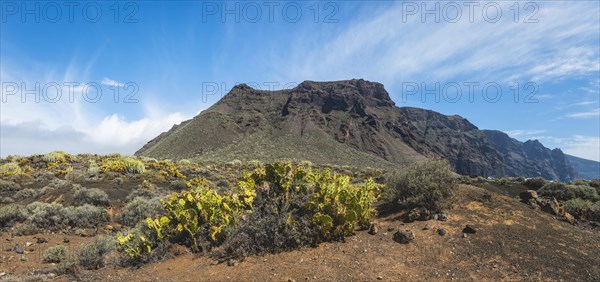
<point>469,229</point>
<point>528,195</point>
<point>403,237</point>
<point>421,214</point>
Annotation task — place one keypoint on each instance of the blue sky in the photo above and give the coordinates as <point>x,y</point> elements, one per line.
<point>170,56</point>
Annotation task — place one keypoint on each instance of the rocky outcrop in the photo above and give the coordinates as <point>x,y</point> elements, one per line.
<point>351,122</point>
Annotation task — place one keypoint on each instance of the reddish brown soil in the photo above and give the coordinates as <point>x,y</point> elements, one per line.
<point>513,242</point>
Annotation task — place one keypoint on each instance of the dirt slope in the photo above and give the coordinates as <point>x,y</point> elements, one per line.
<point>512,242</point>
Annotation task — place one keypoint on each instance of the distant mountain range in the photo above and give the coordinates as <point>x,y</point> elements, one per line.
<point>354,122</point>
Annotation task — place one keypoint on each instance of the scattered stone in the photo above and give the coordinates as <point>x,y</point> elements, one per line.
<point>23,258</point>
<point>41,240</point>
<point>441,231</point>
<point>427,226</point>
<point>443,216</point>
<point>469,229</point>
<point>66,240</point>
<point>464,235</point>
<point>27,244</point>
<point>391,229</point>
<point>17,249</point>
<point>403,237</point>
<point>379,278</point>
<point>2,274</point>
<point>231,262</point>
<point>421,214</point>
<point>373,230</point>
<point>550,206</point>
<point>9,239</point>
<point>528,195</point>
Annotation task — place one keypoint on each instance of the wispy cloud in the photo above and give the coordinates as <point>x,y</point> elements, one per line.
<point>110,82</point>
<point>519,133</point>
<point>584,115</point>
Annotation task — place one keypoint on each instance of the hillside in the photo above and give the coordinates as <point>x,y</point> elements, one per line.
<point>352,122</point>
<point>585,169</point>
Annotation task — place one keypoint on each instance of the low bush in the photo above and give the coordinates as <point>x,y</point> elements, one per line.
<point>47,216</point>
<point>25,193</point>
<point>429,185</point>
<point>10,169</point>
<point>579,182</point>
<point>122,165</point>
<point>92,196</point>
<point>92,255</point>
<point>54,216</point>
<point>12,213</point>
<point>55,254</point>
<point>296,207</point>
<point>55,157</point>
<point>87,216</point>
<point>595,212</point>
<point>8,185</point>
<point>535,183</point>
<point>564,192</point>
<point>577,207</point>
<point>138,210</point>
<point>178,185</point>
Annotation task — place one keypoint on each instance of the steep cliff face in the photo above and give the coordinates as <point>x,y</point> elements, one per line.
<point>530,158</point>
<point>351,122</point>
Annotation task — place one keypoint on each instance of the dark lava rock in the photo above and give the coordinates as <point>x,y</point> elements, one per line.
<point>442,216</point>
<point>373,229</point>
<point>441,231</point>
<point>41,240</point>
<point>528,195</point>
<point>421,214</point>
<point>403,237</point>
<point>17,249</point>
<point>469,229</point>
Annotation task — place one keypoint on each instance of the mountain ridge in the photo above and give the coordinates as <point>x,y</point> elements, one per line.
<point>349,122</point>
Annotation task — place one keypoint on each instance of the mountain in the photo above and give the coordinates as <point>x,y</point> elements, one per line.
<point>531,157</point>
<point>352,122</point>
<point>585,169</point>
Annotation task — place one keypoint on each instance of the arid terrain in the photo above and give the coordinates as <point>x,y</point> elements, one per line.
<point>511,240</point>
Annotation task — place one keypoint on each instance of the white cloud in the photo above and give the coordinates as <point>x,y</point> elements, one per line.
<point>75,125</point>
<point>587,147</point>
<point>527,134</point>
<point>584,115</point>
<point>111,82</point>
<point>386,49</point>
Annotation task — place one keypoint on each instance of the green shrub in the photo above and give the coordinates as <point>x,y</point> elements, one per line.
<point>91,255</point>
<point>87,216</point>
<point>122,165</point>
<point>296,207</point>
<point>579,182</point>
<point>564,192</point>
<point>55,254</point>
<point>55,157</point>
<point>93,168</point>
<point>12,213</point>
<point>25,193</point>
<point>47,216</point>
<point>8,185</point>
<point>138,210</point>
<point>595,212</point>
<point>535,183</point>
<point>10,169</point>
<point>54,216</point>
<point>276,224</point>
<point>92,196</point>
<point>577,207</point>
<point>178,185</point>
<point>429,185</point>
